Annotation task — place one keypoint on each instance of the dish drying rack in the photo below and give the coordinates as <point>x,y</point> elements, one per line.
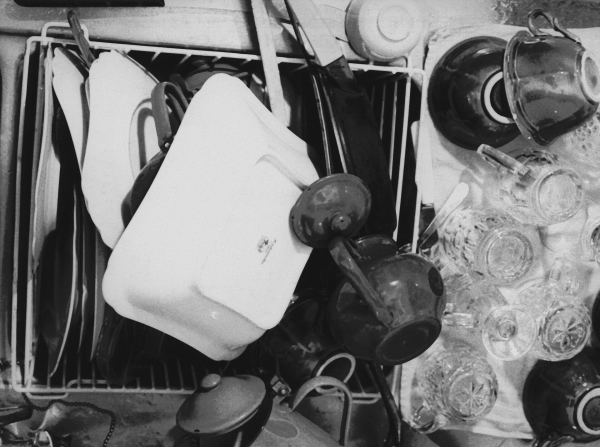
<point>390,90</point>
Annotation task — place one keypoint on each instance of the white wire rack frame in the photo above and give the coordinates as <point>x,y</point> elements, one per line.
<point>174,378</point>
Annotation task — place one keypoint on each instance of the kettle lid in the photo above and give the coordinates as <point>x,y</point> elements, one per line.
<point>221,404</point>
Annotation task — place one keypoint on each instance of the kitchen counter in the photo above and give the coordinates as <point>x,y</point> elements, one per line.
<point>222,24</point>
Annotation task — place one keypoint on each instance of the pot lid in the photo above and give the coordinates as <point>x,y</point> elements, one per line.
<point>335,205</point>
<point>221,404</point>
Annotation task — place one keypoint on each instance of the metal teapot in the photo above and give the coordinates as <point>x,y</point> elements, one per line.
<point>240,412</point>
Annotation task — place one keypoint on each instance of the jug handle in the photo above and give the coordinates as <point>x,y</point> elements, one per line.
<point>340,251</point>
<point>551,440</point>
<point>321,381</point>
<point>556,25</point>
<point>562,276</point>
<point>499,159</point>
<point>458,319</point>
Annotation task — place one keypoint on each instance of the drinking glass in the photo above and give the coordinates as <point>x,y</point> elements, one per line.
<point>564,324</point>
<point>578,150</point>
<point>456,384</point>
<point>578,239</point>
<point>535,188</point>
<point>581,145</point>
<point>474,303</point>
<point>490,242</point>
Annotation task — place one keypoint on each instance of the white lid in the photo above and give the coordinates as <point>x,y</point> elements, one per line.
<point>383,30</point>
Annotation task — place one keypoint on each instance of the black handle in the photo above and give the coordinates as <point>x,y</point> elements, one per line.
<point>82,43</point>
<point>18,413</point>
<point>362,148</point>
<point>165,96</point>
<point>393,413</point>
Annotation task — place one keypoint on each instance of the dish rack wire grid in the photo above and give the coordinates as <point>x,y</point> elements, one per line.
<point>174,378</point>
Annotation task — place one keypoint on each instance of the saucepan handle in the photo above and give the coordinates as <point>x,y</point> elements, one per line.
<point>321,381</point>
<point>165,96</point>
<point>9,415</point>
<point>556,25</point>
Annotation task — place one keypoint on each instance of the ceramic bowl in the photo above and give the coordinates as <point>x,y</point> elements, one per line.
<point>552,83</point>
<point>384,30</point>
<point>466,96</point>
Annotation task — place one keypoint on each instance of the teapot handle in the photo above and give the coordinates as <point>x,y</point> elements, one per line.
<point>551,440</point>
<point>553,21</point>
<point>342,257</point>
<point>321,381</point>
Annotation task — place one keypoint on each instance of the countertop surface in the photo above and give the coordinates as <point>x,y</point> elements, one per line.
<point>222,24</point>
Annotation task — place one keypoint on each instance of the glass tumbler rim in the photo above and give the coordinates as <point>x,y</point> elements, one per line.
<point>480,376</point>
<point>548,216</point>
<point>533,330</point>
<point>546,347</point>
<point>518,269</point>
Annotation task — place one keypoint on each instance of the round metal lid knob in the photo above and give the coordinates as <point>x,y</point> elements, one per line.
<point>210,382</point>
<point>221,404</point>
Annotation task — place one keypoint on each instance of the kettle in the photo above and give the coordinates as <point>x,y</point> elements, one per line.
<point>388,308</point>
<point>240,412</point>
<point>561,400</point>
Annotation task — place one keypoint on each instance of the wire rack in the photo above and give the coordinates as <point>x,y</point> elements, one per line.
<point>395,94</point>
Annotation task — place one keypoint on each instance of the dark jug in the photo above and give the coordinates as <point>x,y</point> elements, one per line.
<point>240,412</point>
<point>561,400</point>
<point>389,308</point>
<point>301,345</point>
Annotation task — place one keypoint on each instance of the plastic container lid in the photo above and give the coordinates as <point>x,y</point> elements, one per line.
<point>384,30</point>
